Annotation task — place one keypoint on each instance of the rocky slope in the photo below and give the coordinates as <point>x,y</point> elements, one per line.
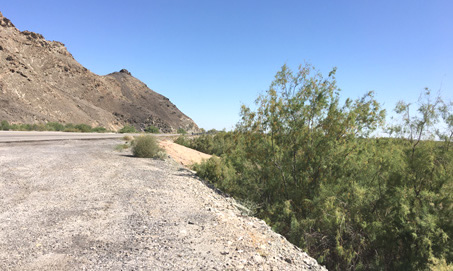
<point>40,81</point>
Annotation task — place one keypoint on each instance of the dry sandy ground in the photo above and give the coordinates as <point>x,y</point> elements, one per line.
<point>183,155</point>
<point>80,205</point>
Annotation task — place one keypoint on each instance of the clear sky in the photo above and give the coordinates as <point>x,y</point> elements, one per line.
<point>211,56</point>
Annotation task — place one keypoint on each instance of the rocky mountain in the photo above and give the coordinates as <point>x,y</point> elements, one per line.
<point>40,81</point>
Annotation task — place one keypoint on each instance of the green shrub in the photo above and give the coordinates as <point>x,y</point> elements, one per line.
<point>218,172</point>
<point>218,143</point>
<point>39,127</point>
<point>128,138</point>
<point>213,170</point>
<point>28,127</point>
<point>146,147</point>
<point>84,128</point>
<point>182,140</point>
<point>14,127</point>
<point>152,129</point>
<point>352,201</point>
<point>4,125</point>
<point>181,131</point>
<point>54,126</point>
<point>127,129</point>
<point>51,126</point>
<point>99,129</point>
<point>71,130</point>
<point>32,127</point>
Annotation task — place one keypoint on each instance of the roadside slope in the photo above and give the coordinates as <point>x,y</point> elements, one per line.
<point>80,205</point>
<point>181,154</point>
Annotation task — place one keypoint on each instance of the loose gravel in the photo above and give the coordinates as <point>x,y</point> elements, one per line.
<point>81,205</point>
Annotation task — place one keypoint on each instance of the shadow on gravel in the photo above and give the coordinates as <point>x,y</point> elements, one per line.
<point>128,155</point>
<point>186,173</point>
<point>131,156</point>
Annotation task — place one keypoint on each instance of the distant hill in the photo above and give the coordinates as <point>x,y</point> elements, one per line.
<point>40,81</point>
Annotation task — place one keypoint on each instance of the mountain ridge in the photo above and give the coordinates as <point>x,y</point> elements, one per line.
<point>40,81</point>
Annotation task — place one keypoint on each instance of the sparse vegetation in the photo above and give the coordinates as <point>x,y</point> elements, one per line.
<point>127,129</point>
<point>4,125</point>
<point>127,144</point>
<point>146,147</point>
<point>55,126</point>
<point>215,143</point>
<point>183,140</point>
<point>121,147</point>
<point>181,131</point>
<point>128,138</point>
<point>84,128</point>
<point>99,129</point>
<point>52,126</point>
<point>152,129</point>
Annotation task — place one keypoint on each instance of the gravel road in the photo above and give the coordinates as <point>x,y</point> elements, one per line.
<point>81,205</point>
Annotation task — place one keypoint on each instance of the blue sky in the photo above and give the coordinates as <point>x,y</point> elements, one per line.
<point>209,57</point>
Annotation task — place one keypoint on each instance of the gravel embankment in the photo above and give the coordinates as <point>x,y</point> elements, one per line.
<point>80,205</point>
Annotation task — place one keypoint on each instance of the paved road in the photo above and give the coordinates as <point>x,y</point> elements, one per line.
<point>26,136</point>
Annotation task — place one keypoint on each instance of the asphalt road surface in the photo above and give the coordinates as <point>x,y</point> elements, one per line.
<point>30,136</point>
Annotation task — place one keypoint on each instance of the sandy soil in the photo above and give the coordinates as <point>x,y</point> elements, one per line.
<point>183,155</point>
<point>81,205</point>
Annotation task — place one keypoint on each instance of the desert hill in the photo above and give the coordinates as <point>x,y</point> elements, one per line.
<point>40,81</point>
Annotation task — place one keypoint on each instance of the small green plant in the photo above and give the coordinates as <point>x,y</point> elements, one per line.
<point>70,128</point>
<point>146,147</point>
<point>182,140</point>
<point>128,138</point>
<point>29,127</point>
<point>4,125</point>
<point>127,129</point>
<point>54,126</point>
<point>84,128</point>
<point>152,129</point>
<point>215,170</point>
<point>121,147</point>
<point>181,131</point>
<point>99,129</point>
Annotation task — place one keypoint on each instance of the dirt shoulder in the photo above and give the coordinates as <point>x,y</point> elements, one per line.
<point>80,205</point>
<point>183,155</point>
